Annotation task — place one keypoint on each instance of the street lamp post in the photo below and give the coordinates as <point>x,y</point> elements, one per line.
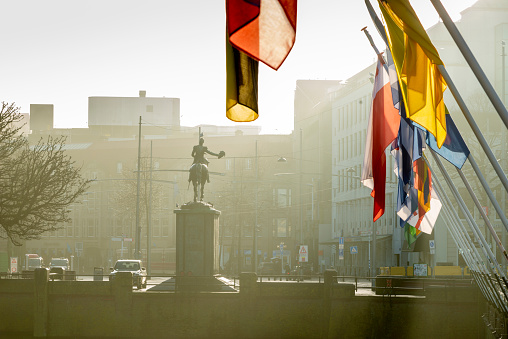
<point>138,226</point>
<point>255,228</point>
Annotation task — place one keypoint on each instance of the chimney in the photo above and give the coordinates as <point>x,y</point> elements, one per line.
<point>142,94</point>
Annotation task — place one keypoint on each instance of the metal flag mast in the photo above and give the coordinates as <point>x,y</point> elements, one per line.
<point>471,60</point>
<point>486,285</point>
<point>491,196</point>
<point>460,102</point>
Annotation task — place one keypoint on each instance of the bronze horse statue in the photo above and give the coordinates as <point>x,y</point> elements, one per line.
<point>198,174</point>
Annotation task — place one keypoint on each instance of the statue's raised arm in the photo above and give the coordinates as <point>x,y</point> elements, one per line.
<point>198,153</point>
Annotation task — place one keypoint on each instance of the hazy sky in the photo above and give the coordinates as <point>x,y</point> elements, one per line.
<point>61,52</point>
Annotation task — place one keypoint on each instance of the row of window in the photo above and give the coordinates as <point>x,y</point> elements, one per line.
<point>355,216</point>
<point>350,146</point>
<point>71,231</point>
<point>353,113</point>
<point>281,228</point>
<point>231,163</point>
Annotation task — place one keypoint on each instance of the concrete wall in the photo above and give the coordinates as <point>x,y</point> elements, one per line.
<point>260,310</point>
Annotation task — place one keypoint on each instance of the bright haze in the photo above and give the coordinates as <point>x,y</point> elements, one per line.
<point>61,52</point>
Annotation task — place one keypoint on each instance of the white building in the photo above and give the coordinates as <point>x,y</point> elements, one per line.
<point>484,26</point>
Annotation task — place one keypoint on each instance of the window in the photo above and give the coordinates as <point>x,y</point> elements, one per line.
<point>281,227</point>
<point>282,197</point>
<point>149,108</point>
<point>248,164</point>
<point>228,164</point>
<point>91,227</point>
<point>165,227</point>
<point>119,167</point>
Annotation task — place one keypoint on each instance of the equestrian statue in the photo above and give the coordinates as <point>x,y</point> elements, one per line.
<point>198,172</point>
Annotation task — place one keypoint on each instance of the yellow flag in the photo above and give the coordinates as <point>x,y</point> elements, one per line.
<point>416,61</point>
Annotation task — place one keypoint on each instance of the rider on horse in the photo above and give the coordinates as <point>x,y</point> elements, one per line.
<point>198,153</point>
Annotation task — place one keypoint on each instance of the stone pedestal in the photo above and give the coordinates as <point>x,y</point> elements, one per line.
<point>197,246</point>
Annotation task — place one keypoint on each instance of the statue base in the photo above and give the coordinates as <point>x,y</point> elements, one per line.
<point>197,247</point>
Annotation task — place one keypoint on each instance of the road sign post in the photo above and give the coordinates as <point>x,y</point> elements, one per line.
<point>304,253</point>
<point>14,264</point>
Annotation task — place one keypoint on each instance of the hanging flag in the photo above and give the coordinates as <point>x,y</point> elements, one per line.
<point>422,183</point>
<point>382,129</point>
<point>257,30</point>
<point>454,149</point>
<point>411,234</point>
<point>425,197</point>
<point>241,85</point>
<point>416,61</point>
<point>394,81</point>
<point>426,222</point>
<point>403,167</point>
<point>265,30</point>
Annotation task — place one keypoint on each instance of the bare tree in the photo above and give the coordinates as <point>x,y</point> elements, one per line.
<point>37,183</point>
<point>125,198</point>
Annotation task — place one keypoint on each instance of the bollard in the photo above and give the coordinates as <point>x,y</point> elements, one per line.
<point>330,278</point>
<point>121,288</point>
<point>41,282</point>
<point>248,284</point>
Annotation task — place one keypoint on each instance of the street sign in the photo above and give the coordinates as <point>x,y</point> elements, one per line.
<point>304,253</point>
<point>420,270</point>
<point>341,242</point>
<point>432,246</point>
<point>341,254</point>
<point>79,249</point>
<point>14,264</point>
<point>353,249</point>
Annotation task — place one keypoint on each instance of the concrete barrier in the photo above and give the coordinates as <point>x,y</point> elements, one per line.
<point>262,309</point>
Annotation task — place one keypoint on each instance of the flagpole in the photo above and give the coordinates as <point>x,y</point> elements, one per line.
<point>486,268</point>
<point>482,213</point>
<point>491,196</point>
<point>476,260</point>
<point>469,218</point>
<point>379,54</point>
<point>458,99</point>
<point>474,127</point>
<point>467,251</point>
<point>471,60</point>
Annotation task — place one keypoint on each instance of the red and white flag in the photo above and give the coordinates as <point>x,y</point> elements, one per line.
<point>382,130</point>
<point>265,30</point>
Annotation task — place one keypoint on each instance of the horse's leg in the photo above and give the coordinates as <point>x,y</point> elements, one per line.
<point>202,191</point>
<point>194,183</point>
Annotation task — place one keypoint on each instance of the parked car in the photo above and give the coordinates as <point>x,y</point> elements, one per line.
<point>303,271</point>
<point>58,267</point>
<point>130,265</point>
<point>267,268</point>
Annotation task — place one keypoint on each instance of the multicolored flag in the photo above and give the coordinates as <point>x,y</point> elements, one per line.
<point>410,234</point>
<point>417,62</point>
<point>429,204</point>
<point>382,129</point>
<point>241,85</point>
<point>265,30</point>
<point>454,149</point>
<point>257,30</point>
